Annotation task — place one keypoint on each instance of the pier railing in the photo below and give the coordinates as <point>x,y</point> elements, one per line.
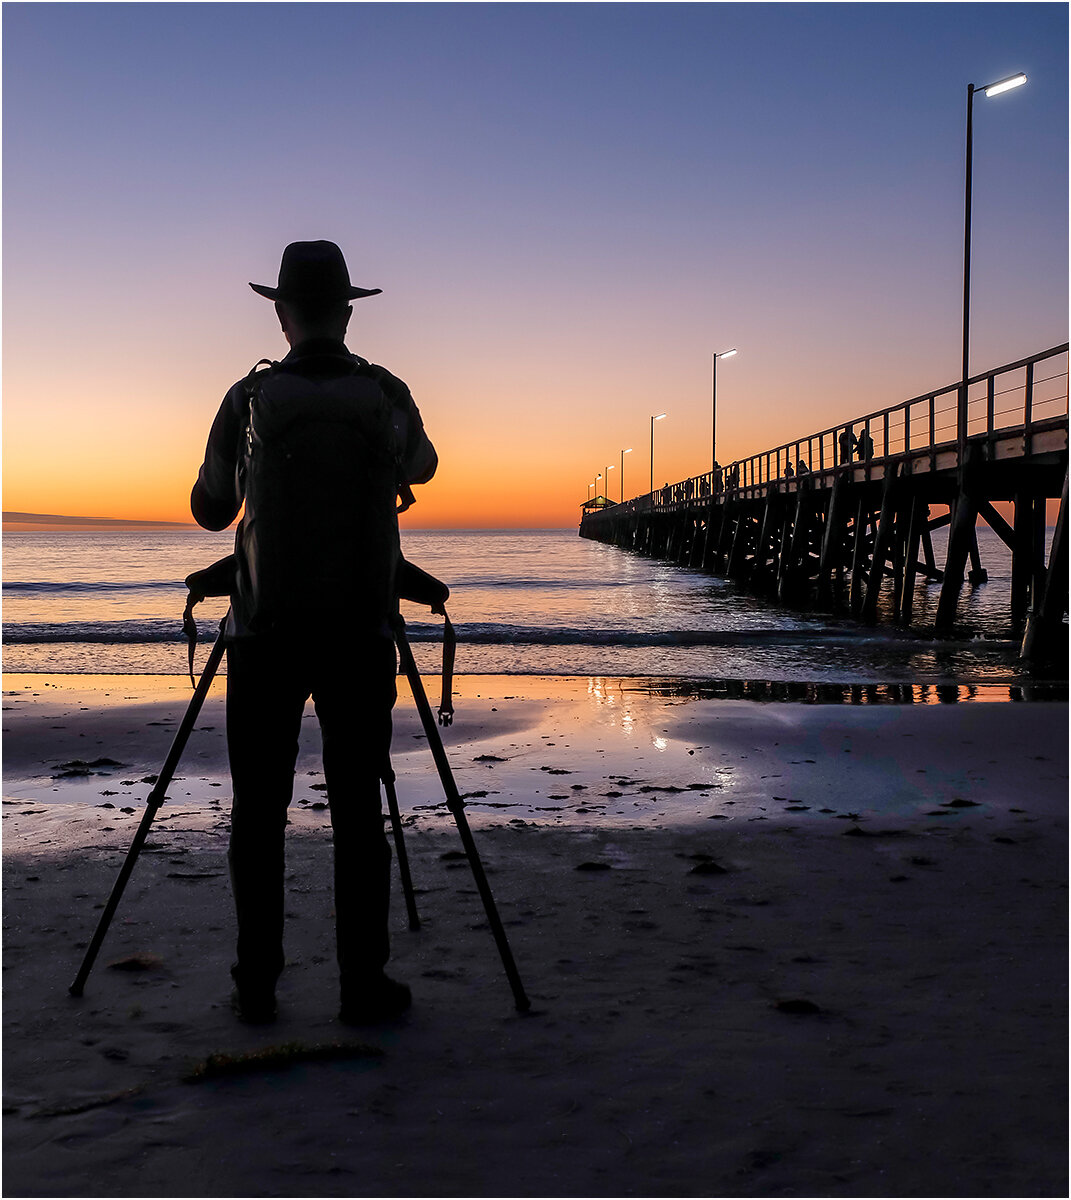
<point>1029,394</point>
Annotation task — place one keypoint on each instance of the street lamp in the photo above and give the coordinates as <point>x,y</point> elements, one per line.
<point>653,419</point>
<point>621,473</point>
<point>608,470</point>
<point>990,89</point>
<point>714,413</point>
<point>597,478</point>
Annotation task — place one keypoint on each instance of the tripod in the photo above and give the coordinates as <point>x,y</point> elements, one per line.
<point>454,803</point>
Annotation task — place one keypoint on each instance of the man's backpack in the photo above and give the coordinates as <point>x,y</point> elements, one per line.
<point>318,541</point>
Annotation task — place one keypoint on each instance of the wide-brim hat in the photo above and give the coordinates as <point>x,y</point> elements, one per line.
<point>313,273</point>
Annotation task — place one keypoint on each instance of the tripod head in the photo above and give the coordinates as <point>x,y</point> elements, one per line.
<point>411,583</point>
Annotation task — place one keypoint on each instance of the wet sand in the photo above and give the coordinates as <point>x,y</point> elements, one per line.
<point>772,949</point>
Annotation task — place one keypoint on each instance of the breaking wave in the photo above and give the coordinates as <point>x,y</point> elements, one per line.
<point>146,632</point>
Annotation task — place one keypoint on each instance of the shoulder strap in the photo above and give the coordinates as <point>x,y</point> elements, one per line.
<point>250,384</point>
<point>446,703</point>
<point>251,381</point>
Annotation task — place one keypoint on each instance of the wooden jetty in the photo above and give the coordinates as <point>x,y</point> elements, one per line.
<point>815,525</point>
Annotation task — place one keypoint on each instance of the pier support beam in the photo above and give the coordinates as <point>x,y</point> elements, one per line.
<point>959,545</point>
<point>832,543</point>
<point>729,516</point>
<point>917,515</point>
<point>978,573</point>
<point>962,539</point>
<point>739,550</point>
<point>860,547</point>
<point>715,516</point>
<point>766,531</point>
<point>882,542</point>
<point>1046,634</point>
<point>788,581</point>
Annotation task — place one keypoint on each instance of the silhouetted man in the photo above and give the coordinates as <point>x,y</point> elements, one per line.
<point>847,444</point>
<point>317,447</point>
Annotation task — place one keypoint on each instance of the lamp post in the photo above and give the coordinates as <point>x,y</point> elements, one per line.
<point>621,473</point>
<point>597,478</point>
<point>653,419</point>
<point>990,89</point>
<point>606,476</point>
<point>714,414</point>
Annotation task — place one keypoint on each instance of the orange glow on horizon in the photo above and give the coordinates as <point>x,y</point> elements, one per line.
<point>517,446</point>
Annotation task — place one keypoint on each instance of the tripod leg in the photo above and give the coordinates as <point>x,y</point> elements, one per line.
<point>399,846</point>
<point>457,807</point>
<point>153,804</point>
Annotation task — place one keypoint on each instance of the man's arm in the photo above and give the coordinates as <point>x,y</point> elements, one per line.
<point>217,497</point>
<point>419,460</point>
<point>415,451</point>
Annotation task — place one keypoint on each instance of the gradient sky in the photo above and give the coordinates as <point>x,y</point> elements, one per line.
<point>568,207</point>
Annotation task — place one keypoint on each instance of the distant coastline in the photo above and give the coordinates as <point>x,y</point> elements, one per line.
<point>34,522</point>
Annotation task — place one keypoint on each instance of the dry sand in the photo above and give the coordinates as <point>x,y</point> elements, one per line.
<point>863,1001</point>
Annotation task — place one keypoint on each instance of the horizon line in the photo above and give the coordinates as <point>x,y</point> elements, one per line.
<point>23,518</point>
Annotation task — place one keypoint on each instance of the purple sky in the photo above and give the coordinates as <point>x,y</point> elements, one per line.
<point>568,208</point>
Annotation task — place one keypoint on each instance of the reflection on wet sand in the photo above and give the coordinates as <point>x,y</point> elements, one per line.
<point>848,693</point>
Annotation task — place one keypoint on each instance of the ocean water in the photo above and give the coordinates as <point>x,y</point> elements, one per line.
<point>543,602</point>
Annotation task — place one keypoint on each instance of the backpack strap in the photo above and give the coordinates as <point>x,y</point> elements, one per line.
<point>250,384</point>
<point>189,630</point>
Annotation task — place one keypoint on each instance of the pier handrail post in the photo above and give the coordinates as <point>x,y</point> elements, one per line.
<point>1028,410</point>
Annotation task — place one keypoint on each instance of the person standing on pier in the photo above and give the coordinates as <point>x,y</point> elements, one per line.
<point>847,443</point>
<point>864,446</point>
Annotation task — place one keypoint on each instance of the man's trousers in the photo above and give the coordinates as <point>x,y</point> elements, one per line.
<point>352,682</point>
